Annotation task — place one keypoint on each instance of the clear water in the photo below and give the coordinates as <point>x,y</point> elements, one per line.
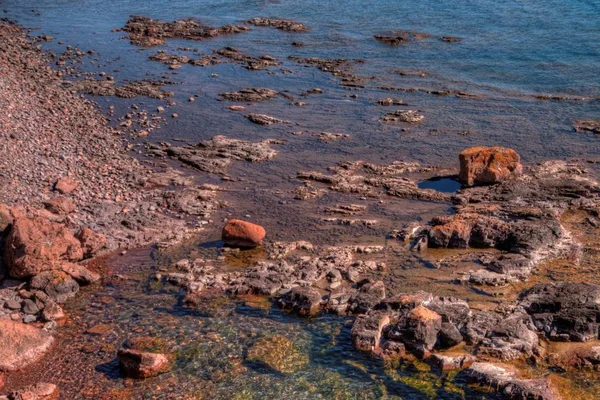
<point>510,51</point>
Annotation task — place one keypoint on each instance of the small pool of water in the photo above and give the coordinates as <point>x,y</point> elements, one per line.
<point>444,185</point>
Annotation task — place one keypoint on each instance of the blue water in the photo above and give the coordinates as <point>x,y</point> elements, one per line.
<point>526,46</point>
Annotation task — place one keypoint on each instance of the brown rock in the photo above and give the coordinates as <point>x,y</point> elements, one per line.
<point>91,242</point>
<point>21,345</point>
<point>52,312</point>
<point>243,233</point>
<point>39,391</point>
<point>80,273</point>
<point>66,185</point>
<point>60,205</point>
<point>366,331</point>
<point>36,244</point>
<point>58,285</point>
<point>144,357</point>
<point>485,165</point>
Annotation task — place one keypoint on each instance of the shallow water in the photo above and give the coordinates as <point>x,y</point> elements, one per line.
<point>509,52</point>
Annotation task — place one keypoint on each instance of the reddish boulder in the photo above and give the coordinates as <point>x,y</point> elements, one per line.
<point>60,205</point>
<point>21,345</point>
<point>485,165</point>
<point>66,185</point>
<point>242,233</point>
<point>80,273</point>
<point>36,244</point>
<point>91,242</point>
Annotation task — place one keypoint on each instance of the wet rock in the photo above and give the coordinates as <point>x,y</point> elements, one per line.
<point>391,101</point>
<point>91,242</point>
<point>36,244</point>
<point>249,95</point>
<point>80,273</point>
<point>242,233</point>
<point>327,137</point>
<point>409,116</point>
<point>277,353</point>
<point>249,62</point>
<point>419,329</point>
<point>262,119</point>
<point>39,391</point>
<point>485,165</point>
<point>144,31</point>
<point>305,301</point>
<point>514,337</point>
<point>144,357</point>
<point>58,285</point>
<point>588,126</point>
<point>400,37</point>
<point>281,24</point>
<point>66,185</point>
<point>152,89</point>
<point>367,329</point>
<point>564,311</point>
<point>60,205</point>
<point>21,345</point>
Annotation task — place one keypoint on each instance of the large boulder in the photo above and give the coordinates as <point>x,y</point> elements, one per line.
<point>35,245</point>
<point>21,345</point>
<point>242,233</point>
<point>565,310</point>
<point>419,329</point>
<point>486,165</point>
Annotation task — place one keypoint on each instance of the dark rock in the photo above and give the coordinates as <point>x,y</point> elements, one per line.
<point>367,297</point>
<point>418,329</point>
<point>367,328</point>
<point>56,284</point>
<point>449,336</point>
<point>303,300</point>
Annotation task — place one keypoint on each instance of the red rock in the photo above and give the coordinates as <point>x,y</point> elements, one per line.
<point>243,233</point>
<point>80,273</point>
<point>60,205</point>
<point>66,185</point>
<point>21,345</point>
<point>91,242</point>
<point>144,357</point>
<point>484,165</point>
<point>36,244</point>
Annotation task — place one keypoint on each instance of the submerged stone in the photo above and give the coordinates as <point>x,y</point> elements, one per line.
<point>277,353</point>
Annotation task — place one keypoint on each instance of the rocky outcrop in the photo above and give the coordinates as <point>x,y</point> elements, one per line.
<point>565,311</point>
<point>249,95</point>
<point>485,165</point>
<point>144,31</point>
<point>21,345</point>
<point>35,245</point>
<point>281,24</point>
<point>262,119</point>
<point>243,233</point>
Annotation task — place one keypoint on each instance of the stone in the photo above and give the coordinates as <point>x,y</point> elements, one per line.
<point>278,353</point>
<point>60,205</point>
<point>488,165</point>
<point>29,307</point>
<point>21,345</point>
<point>242,233</point>
<point>564,311</point>
<point>448,363</point>
<point>80,273</point>
<point>58,285</point>
<point>513,337</point>
<point>449,336</point>
<point>419,329</point>
<point>367,329</point>
<point>66,185</point>
<point>305,301</point>
<point>91,242</point>
<point>144,357</point>
<point>39,391</point>
<point>52,312</point>
<point>367,297</point>
<point>35,245</point>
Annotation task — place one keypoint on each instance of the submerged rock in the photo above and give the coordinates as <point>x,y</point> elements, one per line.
<point>21,345</point>
<point>485,165</point>
<point>281,24</point>
<point>242,233</point>
<point>277,353</point>
<point>249,95</point>
<point>262,119</point>
<point>144,357</point>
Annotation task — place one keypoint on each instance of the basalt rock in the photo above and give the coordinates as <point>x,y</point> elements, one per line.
<point>565,311</point>
<point>485,165</point>
<point>144,31</point>
<point>35,245</point>
<point>367,330</point>
<point>306,301</point>
<point>58,285</point>
<point>242,233</point>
